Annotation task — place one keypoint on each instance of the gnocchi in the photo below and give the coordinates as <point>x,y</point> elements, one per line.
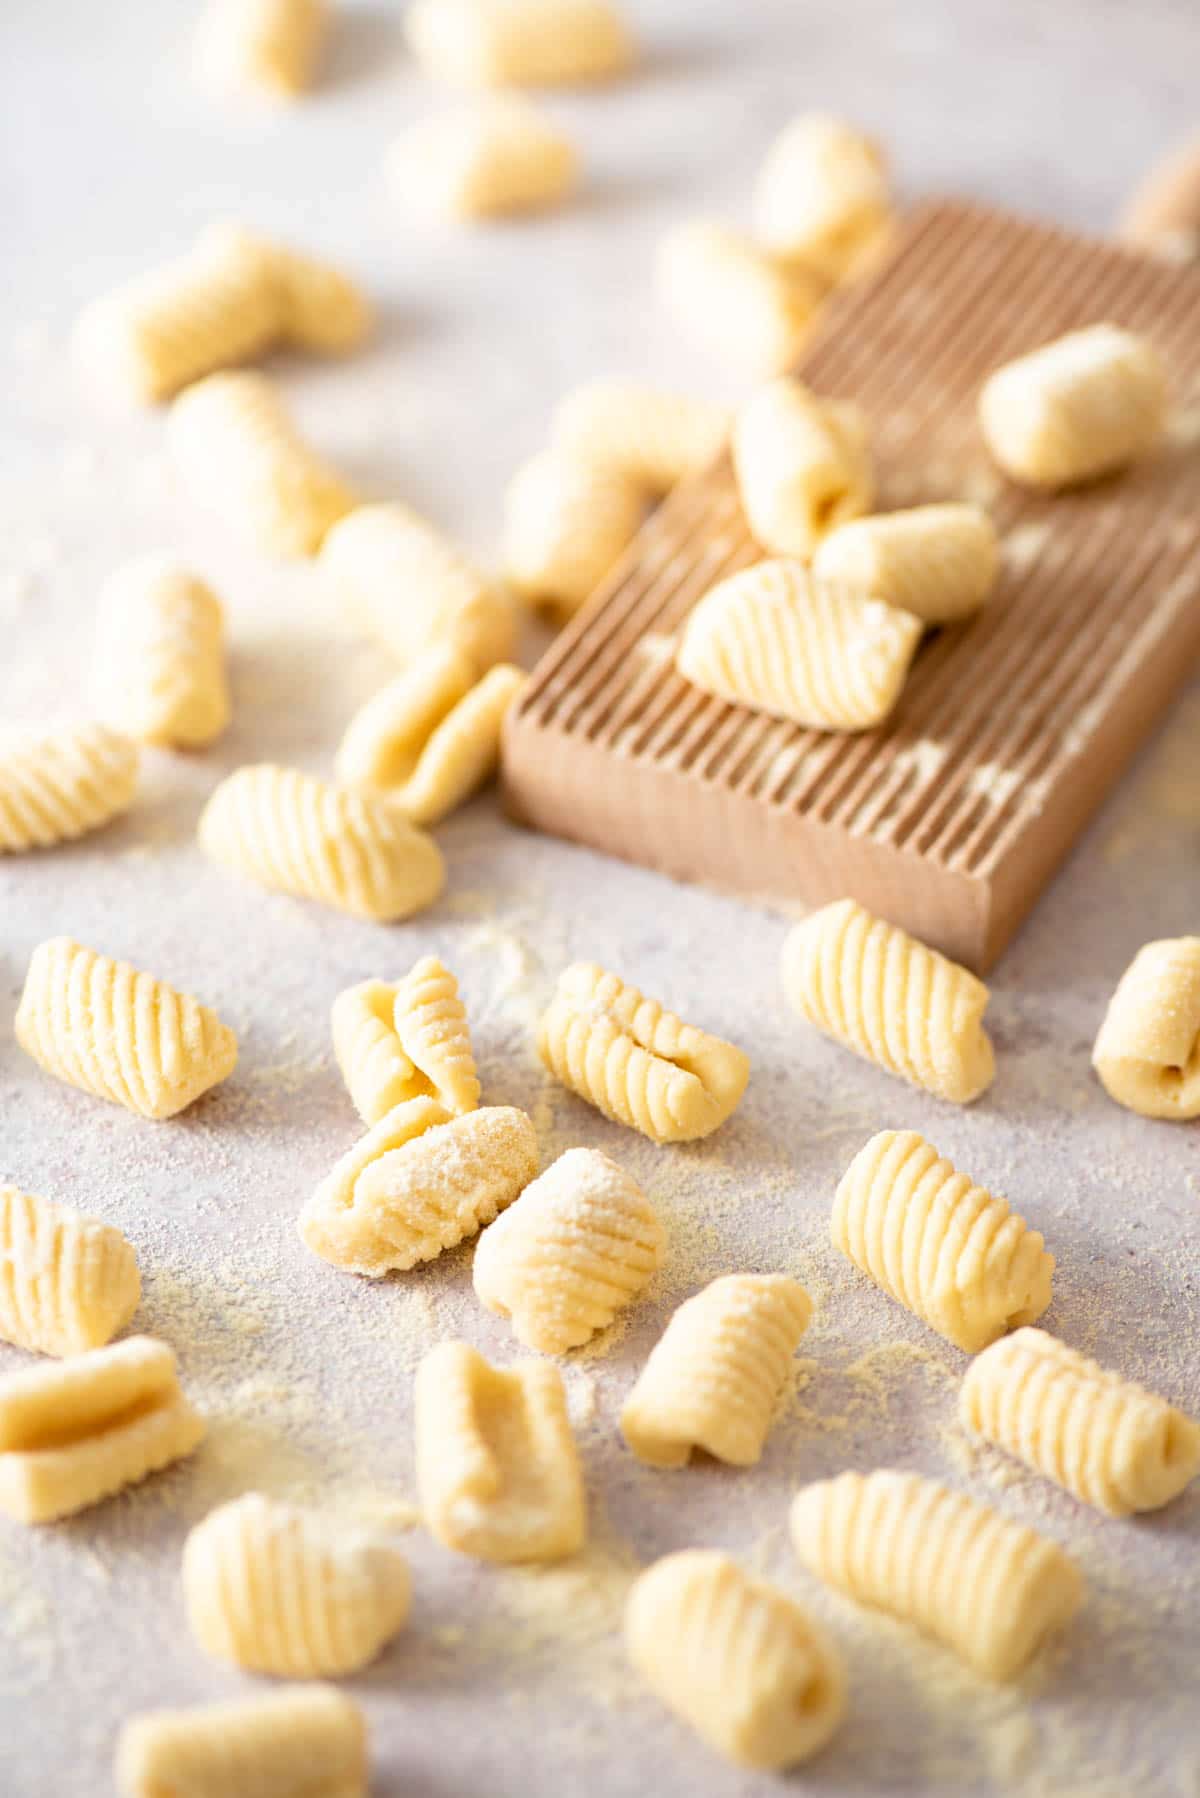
<point>567,523</point>
<point>159,668</point>
<point>735,298</point>
<point>267,47</point>
<point>519,43</point>
<point>68,1283</point>
<point>822,195</point>
<point>802,465</point>
<point>651,436</point>
<point>59,784</point>
<point>307,1742</point>
<point>484,161</point>
<point>1148,1051</point>
<point>937,562</point>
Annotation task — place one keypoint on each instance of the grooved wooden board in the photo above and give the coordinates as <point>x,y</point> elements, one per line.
<point>952,816</point>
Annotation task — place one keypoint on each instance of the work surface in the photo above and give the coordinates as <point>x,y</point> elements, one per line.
<point>511,1682</point>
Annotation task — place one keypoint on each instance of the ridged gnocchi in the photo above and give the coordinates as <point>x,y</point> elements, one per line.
<point>937,562</point>
<point>68,1283</point>
<point>378,1074</point>
<point>59,784</point>
<point>159,668</point>
<point>431,1027</point>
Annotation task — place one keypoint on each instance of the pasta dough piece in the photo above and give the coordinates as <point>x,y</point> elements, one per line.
<point>714,1378</point>
<point>159,669</point>
<point>77,1431</point>
<point>1084,405</point>
<point>566,524</point>
<point>279,1590</point>
<point>267,47</point>
<point>736,299</point>
<point>111,1030</point>
<point>653,437</point>
<point>68,1283</point>
<point>297,834</point>
<point>937,562</point>
<point>880,992</point>
<point>637,1062</point>
<point>432,1030</point>
<point>519,43</point>
<point>497,1468</point>
<point>735,1658</point>
<point>1148,1051</point>
<point>802,466</point>
<point>323,309</point>
<point>431,737</point>
<point>949,1251</point>
<point>578,1246</point>
<point>484,160</point>
<point>417,1183</point>
<point>1107,1440</point>
<point>822,195</point>
<point>822,654</point>
<point>378,1074</point>
<point>411,589</point>
<point>59,784</point>
<point>306,1742</point>
<point>990,1589</point>
<point>237,450</point>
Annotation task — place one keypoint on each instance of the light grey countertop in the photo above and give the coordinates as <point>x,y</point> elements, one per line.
<point>509,1682</point>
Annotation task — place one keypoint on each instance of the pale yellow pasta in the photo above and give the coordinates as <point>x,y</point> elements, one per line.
<point>295,833</point>
<point>432,1030</point>
<point>802,464</point>
<point>734,1658</point>
<point>566,523</point>
<point>822,195</point>
<point>880,992</point>
<point>378,1074</point>
<point>120,1034</point>
<point>1108,1440</point>
<point>637,1062</point>
<point>1082,406</point>
<point>158,673</point>
<point>497,1468</point>
<point>734,298</point>
<point>579,1245</point>
<point>519,43</point>
<point>265,47</point>
<point>654,437</point>
<point>305,1742</point>
<point>419,1182</point>
<point>238,452</point>
<point>276,1589</point>
<point>989,1589</point>
<point>322,308</point>
<point>68,1283</point>
<point>77,1431</point>
<point>714,1378</point>
<point>59,784</point>
<point>1148,1051</point>
<point>821,653</point>
<point>937,562</point>
<point>955,1255</point>
<point>483,160</point>
<point>412,589</point>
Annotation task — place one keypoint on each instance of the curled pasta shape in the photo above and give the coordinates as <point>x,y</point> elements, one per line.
<point>802,466</point>
<point>579,1246</point>
<point>937,562</point>
<point>432,1030</point>
<point>1107,1440</point>
<point>297,834</point>
<point>637,1062</point>
<point>417,1183</point>
<point>266,47</point>
<point>524,43</point>
<point>275,1589</point>
<point>378,1074</point>
<point>1148,1051</point>
<point>484,160</point>
<point>990,1589</point>
<point>735,298</point>
<point>159,668</point>
<point>120,1034</point>
<point>497,1468</point>
<point>949,1251</point>
<point>378,557</point>
<point>566,523</point>
<point>822,195</point>
<point>736,1659</point>
<point>880,992</point>
<point>60,784</point>
<point>68,1283</point>
<point>77,1431</point>
<point>714,1378</point>
<point>237,450</point>
<point>777,640</point>
<point>655,438</point>
<point>306,1742</point>
<point>1082,406</point>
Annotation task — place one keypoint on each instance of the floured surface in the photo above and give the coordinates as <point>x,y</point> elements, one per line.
<point>506,1681</point>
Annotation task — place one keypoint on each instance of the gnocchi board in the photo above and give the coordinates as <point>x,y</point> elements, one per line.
<point>951,817</point>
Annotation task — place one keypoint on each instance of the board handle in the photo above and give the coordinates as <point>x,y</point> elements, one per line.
<point>1164,214</point>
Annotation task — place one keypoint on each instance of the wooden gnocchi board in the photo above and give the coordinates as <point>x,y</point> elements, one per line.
<point>950,818</point>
